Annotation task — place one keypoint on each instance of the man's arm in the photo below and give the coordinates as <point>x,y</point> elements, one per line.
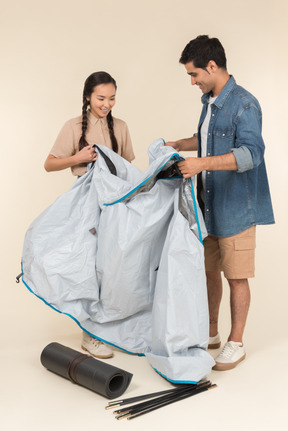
<point>194,165</point>
<point>187,144</point>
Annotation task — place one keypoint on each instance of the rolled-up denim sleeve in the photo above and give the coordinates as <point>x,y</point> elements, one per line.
<point>243,159</point>
<point>249,146</point>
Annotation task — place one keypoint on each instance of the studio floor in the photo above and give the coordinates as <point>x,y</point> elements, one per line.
<point>251,397</point>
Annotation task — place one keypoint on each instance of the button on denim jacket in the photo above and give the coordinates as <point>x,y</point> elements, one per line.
<point>235,200</point>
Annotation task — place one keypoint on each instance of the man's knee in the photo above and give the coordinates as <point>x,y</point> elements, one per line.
<point>238,283</point>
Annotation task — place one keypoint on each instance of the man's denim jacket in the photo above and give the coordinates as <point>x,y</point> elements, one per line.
<point>235,200</point>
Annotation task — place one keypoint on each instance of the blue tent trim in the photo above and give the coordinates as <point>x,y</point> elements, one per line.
<point>196,212</point>
<point>176,381</point>
<point>176,155</point>
<point>75,320</point>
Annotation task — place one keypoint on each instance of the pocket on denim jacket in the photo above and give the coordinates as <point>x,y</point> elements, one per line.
<point>223,140</point>
<point>223,133</point>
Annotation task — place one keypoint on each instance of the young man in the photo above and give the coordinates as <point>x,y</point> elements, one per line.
<point>232,186</point>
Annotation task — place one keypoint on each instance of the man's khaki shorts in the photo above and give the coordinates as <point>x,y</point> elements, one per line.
<point>234,255</point>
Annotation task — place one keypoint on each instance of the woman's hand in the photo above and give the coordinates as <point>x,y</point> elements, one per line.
<point>86,155</point>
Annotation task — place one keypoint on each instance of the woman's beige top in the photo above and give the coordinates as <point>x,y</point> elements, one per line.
<point>67,142</point>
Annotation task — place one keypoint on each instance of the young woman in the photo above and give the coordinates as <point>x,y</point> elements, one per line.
<point>74,149</point>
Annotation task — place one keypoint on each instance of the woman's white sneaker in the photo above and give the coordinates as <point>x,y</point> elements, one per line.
<point>96,347</point>
<point>232,353</point>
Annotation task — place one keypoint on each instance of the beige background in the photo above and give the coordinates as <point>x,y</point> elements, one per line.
<point>48,48</point>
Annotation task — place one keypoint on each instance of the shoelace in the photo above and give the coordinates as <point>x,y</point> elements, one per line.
<point>228,350</point>
<point>95,342</point>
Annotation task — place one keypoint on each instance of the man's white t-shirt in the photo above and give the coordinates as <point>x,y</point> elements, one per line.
<point>204,135</point>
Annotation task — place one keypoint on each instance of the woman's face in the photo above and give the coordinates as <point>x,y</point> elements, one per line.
<point>102,100</point>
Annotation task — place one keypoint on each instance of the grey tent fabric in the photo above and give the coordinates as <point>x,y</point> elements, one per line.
<point>123,256</point>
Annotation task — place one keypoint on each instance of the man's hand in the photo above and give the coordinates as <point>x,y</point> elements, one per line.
<point>191,166</point>
<point>174,144</point>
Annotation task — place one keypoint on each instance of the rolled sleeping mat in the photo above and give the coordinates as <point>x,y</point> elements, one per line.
<point>84,370</point>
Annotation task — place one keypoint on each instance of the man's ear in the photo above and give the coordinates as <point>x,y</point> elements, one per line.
<point>212,66</point>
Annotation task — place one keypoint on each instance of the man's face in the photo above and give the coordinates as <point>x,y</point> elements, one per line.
<point>204,78</point>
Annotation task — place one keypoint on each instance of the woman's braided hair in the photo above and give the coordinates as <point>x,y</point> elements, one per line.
<point>91,82</point>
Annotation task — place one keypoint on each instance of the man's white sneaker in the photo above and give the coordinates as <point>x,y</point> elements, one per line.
<point>232,353</point>
<point>214,342</point>
<point>96,347</point>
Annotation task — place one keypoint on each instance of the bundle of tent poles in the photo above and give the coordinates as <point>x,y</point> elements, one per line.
<point>156,400</point>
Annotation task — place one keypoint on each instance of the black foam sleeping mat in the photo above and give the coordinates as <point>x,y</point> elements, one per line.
<point>84,370</point>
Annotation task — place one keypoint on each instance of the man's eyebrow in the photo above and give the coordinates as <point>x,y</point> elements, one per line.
<point>192,73</point>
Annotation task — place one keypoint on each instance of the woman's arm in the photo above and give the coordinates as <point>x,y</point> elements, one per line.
<point>86,155</point>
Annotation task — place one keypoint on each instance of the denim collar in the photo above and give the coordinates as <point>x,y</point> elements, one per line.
<point>221,99</point>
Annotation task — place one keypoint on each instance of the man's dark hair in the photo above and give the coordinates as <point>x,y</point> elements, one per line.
<point>203,49</point>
